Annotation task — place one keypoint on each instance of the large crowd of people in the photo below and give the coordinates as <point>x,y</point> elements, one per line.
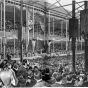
<point>43,72</point>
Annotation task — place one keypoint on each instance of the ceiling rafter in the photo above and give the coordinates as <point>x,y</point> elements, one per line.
<point>64,8</point>
<point>66,5</point>
<point>79,5</point>
<point>76,8</point>
<point>52,4</point>
<point>57,12</point>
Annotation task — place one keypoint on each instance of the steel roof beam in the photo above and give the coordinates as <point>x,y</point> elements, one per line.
<point>66,5</point>
<point>64,8</point>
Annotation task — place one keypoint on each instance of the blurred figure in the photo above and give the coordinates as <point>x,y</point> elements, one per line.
<point>8,78</point>
<point>69,82</point>
<point>79,82</point>
<point>58,82</point>
<point>8,56</point>
<point>37,74</point>
<point>44,81</point>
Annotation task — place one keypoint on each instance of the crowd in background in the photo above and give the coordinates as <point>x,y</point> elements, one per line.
<point>43,72</point>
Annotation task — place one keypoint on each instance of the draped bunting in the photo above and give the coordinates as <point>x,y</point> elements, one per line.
<point>30,24</point>
<point>40,19</point>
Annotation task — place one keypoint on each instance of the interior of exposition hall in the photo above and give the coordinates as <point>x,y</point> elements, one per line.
<point>37,22</point>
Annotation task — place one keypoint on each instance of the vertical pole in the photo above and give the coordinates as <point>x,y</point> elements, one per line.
<point>76,44</point>
<point>1,45</point>
<point>1,26</point>
<point>53,34</point>
<point>73,39</point>
<point>14,30</point>
<point>49,30</point>
<point>66,35</point>
<point>14,46</point>
<point>27,30</point>
<point>37,37</point>
<point>81,43</point>
<point>33,22</point>
<point>21,43</point>
<point>4,28</point>
<point>1,16</point>
<point>86,41</point>
<point>61,34</point>
<point>45,11</point>
<point>33,27</point>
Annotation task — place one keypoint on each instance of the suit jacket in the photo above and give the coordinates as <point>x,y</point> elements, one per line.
<point>41,84</point>
<point>68,85</point>
<point>85,84</point>
<point>56,85</point>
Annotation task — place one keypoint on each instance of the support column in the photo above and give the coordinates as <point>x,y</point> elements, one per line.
<point>86,42</point>
<point>45,24</point>
<point>61,34</point>
<point>33,31</point>
<point>66,35</point>
<point>21,40</point>
<point>76,44</point>
<point>4,30</point>
<point>53,34</point>
<point>14,31</point>
<point>49,32</point>
<point>81,43</point>
<point>1,15</point>
<point>33,23</point>
<point>73,39</point>
<point>1,45</point>
<point>1,26</point>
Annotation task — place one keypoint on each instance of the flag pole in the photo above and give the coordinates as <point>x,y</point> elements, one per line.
<point>14,30</point>
<point>4,29</point>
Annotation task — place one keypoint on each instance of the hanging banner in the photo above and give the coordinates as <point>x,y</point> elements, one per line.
<point>23,33</point>
<point>30,24</point>
<point>29,18</point>
<point>40,19</point>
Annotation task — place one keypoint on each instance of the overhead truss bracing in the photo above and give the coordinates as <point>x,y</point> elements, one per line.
<point>64,15</point>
